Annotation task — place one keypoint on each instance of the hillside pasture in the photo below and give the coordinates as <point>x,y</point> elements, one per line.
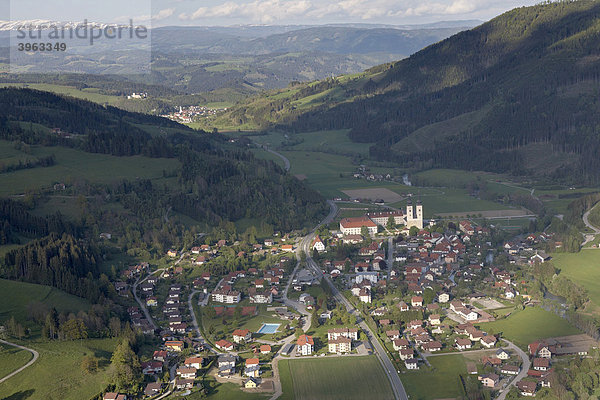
<point>74,165</point>
<point>57,373</point>
<point>17,296</point>
<point>583,268</point>
<point>90,94</point>
<point>12,358</point>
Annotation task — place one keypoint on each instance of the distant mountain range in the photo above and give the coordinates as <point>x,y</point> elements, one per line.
<point>517,94</point>
<point>241,59</point>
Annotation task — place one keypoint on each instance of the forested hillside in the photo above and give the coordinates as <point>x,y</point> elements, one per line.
<point>207,181</point>
<point>518,94</point>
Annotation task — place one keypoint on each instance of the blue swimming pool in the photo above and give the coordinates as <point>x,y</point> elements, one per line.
<point>268,328</point>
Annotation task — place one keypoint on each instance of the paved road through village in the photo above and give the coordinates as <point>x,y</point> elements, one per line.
<point>388,366</point>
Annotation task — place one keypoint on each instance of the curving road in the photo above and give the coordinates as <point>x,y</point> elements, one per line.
<point>586,221</point>
<point>524,368</point>
<point>29,364</point>
<point>286,161</point>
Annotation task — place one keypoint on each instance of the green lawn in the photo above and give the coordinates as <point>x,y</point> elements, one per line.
<point>57,374</point>
<point>442,381</point>
<point>12,358</point>
<point>583,268</point>
<point>16,296</point>
<point>529,325</point>
<point>74,165</point>
<point>335,378</point>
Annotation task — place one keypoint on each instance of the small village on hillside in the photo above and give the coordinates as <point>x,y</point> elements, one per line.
<point>424,289</point>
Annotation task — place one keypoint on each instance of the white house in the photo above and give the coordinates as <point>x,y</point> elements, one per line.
<point>411,364</point>
<point>318,244</point>
<point>305,345</point>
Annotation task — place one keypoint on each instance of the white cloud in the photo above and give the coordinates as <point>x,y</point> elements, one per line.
<point>163,14</point>
<point>264,11</point>
<point>390,11</point>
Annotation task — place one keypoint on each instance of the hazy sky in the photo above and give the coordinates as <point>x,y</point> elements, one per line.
<point>281,12</point>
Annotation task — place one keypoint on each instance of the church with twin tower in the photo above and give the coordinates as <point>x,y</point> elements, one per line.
<point>414,215</point>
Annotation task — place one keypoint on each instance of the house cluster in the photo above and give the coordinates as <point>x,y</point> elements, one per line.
<point>503,364</point>
<point>133,271</point>
<point>186,371</point>
<point>189,114</point>
<point>262,288</point>
<point>469,333</point>
<point>541,354</point>
<point>528,250</point>
<point>139,320</point>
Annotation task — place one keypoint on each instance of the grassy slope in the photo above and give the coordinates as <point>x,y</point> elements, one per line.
<point>524,327</point>
<point>335,378</point>
<point>90,94</point>
<point>423,138</point>
<point>57,374</point>
<point>12,358</point>
<point>76,165</point>
<point>583,269</point>
<point>16,296</point>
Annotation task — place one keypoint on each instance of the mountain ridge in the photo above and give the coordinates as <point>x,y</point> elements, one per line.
<point>518,64</point>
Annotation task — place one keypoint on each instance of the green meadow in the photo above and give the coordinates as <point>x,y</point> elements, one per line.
<point>17,296</point>
<point>12,358</point>
<point>583,268</point>
<point>529,325</point>
<point>74,165</point>
<point>57,374</point>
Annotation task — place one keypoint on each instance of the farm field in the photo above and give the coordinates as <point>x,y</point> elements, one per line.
<point>442,381</point>
<point>74,164</point>
<point>453,177</point>
<point>335,378</point>
<point>12,358</point>
<point>336,141</point>
<point>451,202</point>
<point>16,296</point>
<point>323,172</point>
<point>531,324</point>
<point>57,374</point>
<point>583,268</point>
